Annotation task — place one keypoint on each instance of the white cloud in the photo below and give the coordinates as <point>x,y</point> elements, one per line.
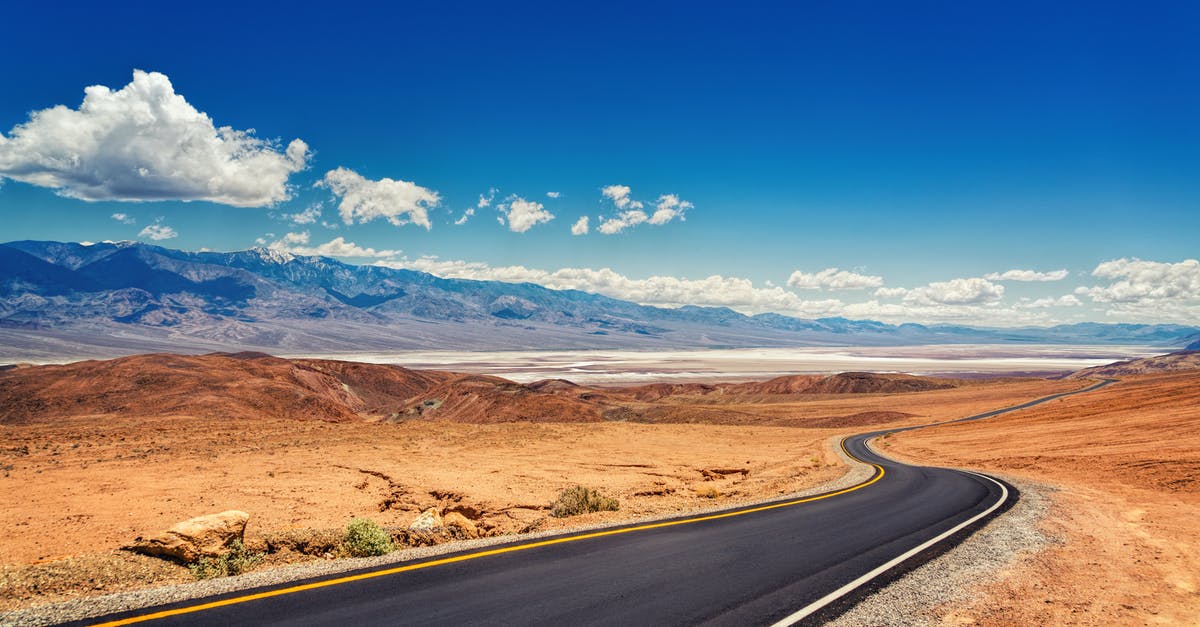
<point>1068,300</point>
<point>553,194</point>
<point>308,216</point>
<point>1027,275</point>
<point>144,142</point>
<point>630,212</point>
<point>363,200</point>
<point>619,195</point>
<point>720,291</point>
<point>973,291</point>
<point>158,232</point>
<point>123,218</point>
<point>486,201</point>
<point>297,244</point>
<point>465,216</point>
<point>624,220</point>
<point>668,291</point>
<point>1137,281</point>
<point>580,227</point>
<point>522,214</point>
<point>669,207</point>
<point>891,292</point>
<point>833,279</point>
<point>1139,290</point>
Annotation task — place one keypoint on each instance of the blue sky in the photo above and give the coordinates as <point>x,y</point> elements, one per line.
<point>921,149</point>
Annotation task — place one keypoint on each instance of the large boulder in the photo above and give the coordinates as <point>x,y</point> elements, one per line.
<point>430,521</point>
<point>203,536</point>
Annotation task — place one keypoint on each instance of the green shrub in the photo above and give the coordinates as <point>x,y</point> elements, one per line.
<point>237,561</point>
<point>580,500</point>
<point>365,538</point>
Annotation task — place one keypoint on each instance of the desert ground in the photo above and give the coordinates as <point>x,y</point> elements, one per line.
<point>1126,463</point>
<point>97,454</point>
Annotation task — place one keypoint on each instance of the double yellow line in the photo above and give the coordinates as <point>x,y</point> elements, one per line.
<point>500,551</point>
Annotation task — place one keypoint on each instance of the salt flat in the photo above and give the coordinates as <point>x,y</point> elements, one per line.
<point>628,366</point>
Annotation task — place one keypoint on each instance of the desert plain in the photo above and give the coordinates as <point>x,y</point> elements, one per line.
<point>96,454</point>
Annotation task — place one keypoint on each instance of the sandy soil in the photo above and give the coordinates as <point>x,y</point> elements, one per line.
<point>76,489</point>
<point>1128,461</point>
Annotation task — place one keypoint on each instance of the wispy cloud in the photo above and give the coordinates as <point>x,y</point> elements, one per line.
<point>1027,275</point>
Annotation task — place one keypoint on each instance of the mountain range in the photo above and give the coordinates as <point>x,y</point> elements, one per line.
<point>61,300</point>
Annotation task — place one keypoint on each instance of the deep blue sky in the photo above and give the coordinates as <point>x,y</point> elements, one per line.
<point>919,142</point>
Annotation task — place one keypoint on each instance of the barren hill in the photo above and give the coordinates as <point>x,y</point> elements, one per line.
<point>220,385</point>
<point>1171,362</point>
<point>255,385</point>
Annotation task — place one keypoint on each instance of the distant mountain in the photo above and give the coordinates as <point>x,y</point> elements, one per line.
<point>69,300</point>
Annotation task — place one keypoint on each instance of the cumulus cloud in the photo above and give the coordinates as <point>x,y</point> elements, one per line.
<point>720,291</point>
<point>619,195</point>
<point>522,215</point>
<point>1137,281</point>
<point>298,244</point>
<point>1027,275</point>
<point>973,291</point>
<point>553,194</point>
<point>144,142</point>
<point>363,200</point>
<point>669,207</point>
<point>624,220</point>
<point>158,232</point>
<point>631,212</point>
<point>465,216</point>
<point>667,291</point>
<point>833,279</point>
<point>123,218</point>
<point>580,227</point>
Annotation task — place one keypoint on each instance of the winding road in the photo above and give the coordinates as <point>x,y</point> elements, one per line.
<point>802,560</point>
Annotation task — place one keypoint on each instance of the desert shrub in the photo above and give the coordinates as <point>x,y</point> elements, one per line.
<point>708,492</point>
<point>237,561</point>
<point>365,538</point>
<point>581,500</point>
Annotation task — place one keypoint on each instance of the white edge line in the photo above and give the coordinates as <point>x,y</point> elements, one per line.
<point>850,587</point>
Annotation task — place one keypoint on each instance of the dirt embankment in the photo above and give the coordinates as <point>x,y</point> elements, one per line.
<point>1128,460</point>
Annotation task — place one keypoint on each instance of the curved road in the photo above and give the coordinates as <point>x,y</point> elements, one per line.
<point>800,560</point>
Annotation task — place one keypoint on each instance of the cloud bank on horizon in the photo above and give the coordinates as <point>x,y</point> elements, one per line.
<point>145,143</point>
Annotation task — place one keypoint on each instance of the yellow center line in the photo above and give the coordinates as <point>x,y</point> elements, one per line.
<point>470,556</point>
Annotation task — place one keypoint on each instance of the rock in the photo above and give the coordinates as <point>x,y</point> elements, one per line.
<point>203,536</point>
<point>462,523</point>
<point>430,520</point>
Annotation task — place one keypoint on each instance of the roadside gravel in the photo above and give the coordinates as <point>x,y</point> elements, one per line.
<point>80,609</point>
<point>915,600</point>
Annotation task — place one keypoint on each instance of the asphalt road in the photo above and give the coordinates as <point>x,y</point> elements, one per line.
<point>752,566</point>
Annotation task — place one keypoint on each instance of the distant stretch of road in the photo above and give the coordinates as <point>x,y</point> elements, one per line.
<point>801,560</point>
